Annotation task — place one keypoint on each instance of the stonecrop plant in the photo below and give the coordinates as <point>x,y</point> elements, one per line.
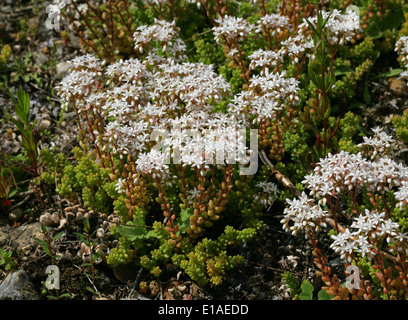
<point>151,127</point>
<point>171,130</point>
<point>355,198</point>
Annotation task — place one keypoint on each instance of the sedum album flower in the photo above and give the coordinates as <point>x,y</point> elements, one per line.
<point>296,46</point>
<point>369,230</point>
<point>343,243</point>
<point>303,214</point>
<point>401,47</point>
<point>345,175</point>
<point>274,23</point>
<point>154,163</point>
<point>269,193</point>
<point>161,30</point>
<point>336,173</point>
<point>387,173</point>
<point>340,27</point>
<point>156,109</point>
<point>266,96</point>
<point>161,41</point>
<point>265,59</point>
<point>380,143</point>
<point>82,81</point>
<point>402,194</point>
<point>231,27</point>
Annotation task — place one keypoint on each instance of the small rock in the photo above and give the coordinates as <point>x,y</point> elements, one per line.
<point>398,86</point>
<point>44,124</point>
<point>24,235</point>
<point>55,217</point>
<point>16,214</point>
<point>5,233</point>
<point>40,58</point>
<point>46,219</point>
<point>63,68</point>
<point>17,286</point>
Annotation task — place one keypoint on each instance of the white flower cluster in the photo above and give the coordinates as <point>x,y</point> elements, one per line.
<point>336,173</point>
<point>369,230</point>
<point>231,27</point>
<point>402,194</point>
<point>81,81</point>
<point>162,32</point>
<point>153,110</point>
<point>203,140</point>
<point>266,96</point>
<point>296,46</point>
<point>269,193</point>
<point>349,172</point>
<point>268,92</point>
<point>131,71</point>
<point>345,174</point>
<point>401,47</point>
<point>387,174</point>
<point>341,27</point>
<point>303,214</point>
<point>189,84</point>
<point>154,162</point>
<point>380,143</point>
<point>275,23</point>
<point>265,59</point>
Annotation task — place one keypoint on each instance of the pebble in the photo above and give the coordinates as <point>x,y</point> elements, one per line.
<point>17,286</point>
<point>21,237</point>
<point>40,58</point>
<point>398,86</point>
<point>63,68</point>
<point>16,214</point>
<point>44,124</point>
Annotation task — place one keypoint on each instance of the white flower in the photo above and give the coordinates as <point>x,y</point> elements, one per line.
<point>265,59</point>
<point>402,194</point>
<point>304,215</point>
<point>193,194</point>
<point>380,142</point>
<point>343,243</point>
<point>269,193</point>
<point>368,222</point>
<point>161,31</point>
<point>154,162</point>
<point>387,174</point>
<point>166,34</point>
<point>401,47</point>
<point>232,28</point>
<point>130,71</point>
<point>274,23</point>
<point>341,27</point>
<point>362,245</point>
<point>266,96</point>
<point>296,46</point>
<point>389,228</point>
<point>338,172</point>
<point>119,186</point>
